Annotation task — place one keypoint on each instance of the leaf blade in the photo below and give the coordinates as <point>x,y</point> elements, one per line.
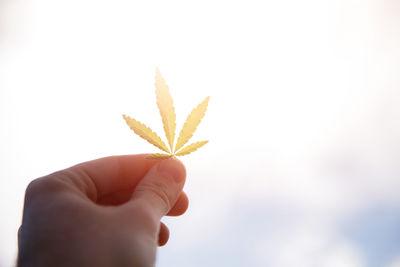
<point>146,133</point>
<point>159,156</point>
<point>165,105</point>
<point>191,148</point>
<point>192,121</point>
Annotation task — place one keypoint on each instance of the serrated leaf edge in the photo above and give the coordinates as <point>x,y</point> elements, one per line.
<point>146,133</point>
<point>191,123</point>
<point>190,148</point>
<point>165,105</point>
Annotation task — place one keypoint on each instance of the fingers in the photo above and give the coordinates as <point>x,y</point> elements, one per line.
<point>180,206</point>
<point>105,176</point>
<point>161,187</point>
<point>163,235</point>
<point>123,196</point>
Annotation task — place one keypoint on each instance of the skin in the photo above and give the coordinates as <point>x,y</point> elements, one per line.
<point>101,213</point>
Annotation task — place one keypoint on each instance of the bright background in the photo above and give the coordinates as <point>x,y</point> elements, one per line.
<point>303,164</point>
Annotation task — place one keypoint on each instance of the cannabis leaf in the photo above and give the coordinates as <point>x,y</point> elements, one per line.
<point>165,105</point>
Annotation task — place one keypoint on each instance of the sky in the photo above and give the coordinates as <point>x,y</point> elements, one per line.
<point>303,163</point>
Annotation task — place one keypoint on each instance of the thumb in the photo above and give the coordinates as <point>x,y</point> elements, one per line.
<point>161,186</point>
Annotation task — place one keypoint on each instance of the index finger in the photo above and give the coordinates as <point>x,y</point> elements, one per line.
<point>113,174</point>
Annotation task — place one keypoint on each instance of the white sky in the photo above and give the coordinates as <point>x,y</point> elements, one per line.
<point>303,118</point>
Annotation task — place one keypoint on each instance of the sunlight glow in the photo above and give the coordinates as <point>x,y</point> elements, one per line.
<point>303,122</point>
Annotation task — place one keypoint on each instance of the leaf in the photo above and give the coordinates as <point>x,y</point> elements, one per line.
<point>192,121</point>
<point>191,148</point>
<point>146,133</point>
<point>159,156</point>
<point>165,104</point>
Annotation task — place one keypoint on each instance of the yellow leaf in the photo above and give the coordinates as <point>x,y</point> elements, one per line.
<point>146,133</point>
<point>159,156</point>
<point>191,148</point>
<point>192,121</point>
<point>166,106</point>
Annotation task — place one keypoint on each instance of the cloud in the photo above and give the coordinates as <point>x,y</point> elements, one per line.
<point>395,262</point>
<point>307,246</point>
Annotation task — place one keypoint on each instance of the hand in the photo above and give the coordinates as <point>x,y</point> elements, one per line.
<point>101,213</point>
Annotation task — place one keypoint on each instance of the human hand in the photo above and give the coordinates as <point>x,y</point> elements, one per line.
<point>101,213</point>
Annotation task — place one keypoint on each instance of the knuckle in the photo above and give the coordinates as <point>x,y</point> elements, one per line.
<point>159,191</point>
<point>35,188</point>
<point>45,185</point>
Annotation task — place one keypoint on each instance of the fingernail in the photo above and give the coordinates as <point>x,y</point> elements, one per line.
<point>173,169</point>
